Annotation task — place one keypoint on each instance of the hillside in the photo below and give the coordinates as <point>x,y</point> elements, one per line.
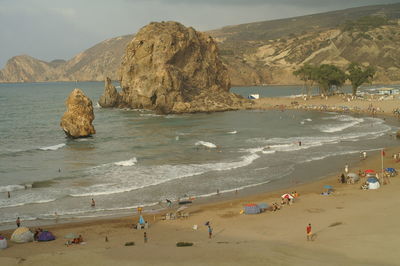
<point>93,64</point>
<point>255,53</point>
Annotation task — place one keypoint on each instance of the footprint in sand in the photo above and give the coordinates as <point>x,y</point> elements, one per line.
<point>315,210</point>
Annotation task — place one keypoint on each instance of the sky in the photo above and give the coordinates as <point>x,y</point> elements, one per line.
<point>59,29</point>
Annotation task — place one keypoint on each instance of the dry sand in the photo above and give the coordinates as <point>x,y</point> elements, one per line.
<point>352,227</point>
<point>384,107</point>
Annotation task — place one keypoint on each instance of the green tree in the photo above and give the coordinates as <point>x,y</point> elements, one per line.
<point>307,74</point>
<point>358,75</point>
<point>329,75</point>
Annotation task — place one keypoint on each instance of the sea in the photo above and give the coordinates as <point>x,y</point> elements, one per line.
<point>139,158</point>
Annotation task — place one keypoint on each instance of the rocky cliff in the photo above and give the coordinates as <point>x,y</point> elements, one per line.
<point>170,68</point>
<point>77,120</point>
<point>257,53</point>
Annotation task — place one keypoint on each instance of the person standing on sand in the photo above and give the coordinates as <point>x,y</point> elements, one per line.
<point>209,232</point>
<point>168,202</point>
<point>18,222</point>
<point>145,237</point>
<point>309,232</point>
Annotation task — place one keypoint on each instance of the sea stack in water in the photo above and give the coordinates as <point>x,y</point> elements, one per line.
<point>170,68</point>
<point>110,97</point>
<point>77,120</point>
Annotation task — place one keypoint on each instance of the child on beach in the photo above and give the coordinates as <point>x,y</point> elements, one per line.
<point>145,237</point>
<point>309,232</point>
<point>209,232</point>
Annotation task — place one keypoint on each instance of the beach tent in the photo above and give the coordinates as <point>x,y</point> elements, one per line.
<point>46,236</point>
<point>3,242</point>
<point>373,183</point>
<point>369,171</point>
<point>353,177</point>
<point>22,235</point>
<point>263,206</point>
<point>251,209</point>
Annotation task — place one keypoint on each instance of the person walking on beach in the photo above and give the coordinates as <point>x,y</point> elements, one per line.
<point>93,203</point>
<point>209,232</point>
<point>18,222</point>
<point>8,194</point>
<point>145,237</point>
<point>169,203</point>
<point>309,232</point>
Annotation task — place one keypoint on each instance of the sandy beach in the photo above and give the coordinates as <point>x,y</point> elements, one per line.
<point>351,227</point>
<point>372,105</point>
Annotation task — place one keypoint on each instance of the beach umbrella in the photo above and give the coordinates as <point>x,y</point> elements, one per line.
<point>391,170</point>
<point>369,171</point>
<point>287,196</point>
<point>328,187</point>
<point>141,220</point>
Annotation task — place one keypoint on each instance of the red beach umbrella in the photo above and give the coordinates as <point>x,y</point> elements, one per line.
<point>287,196</point>
<point>368,171</point>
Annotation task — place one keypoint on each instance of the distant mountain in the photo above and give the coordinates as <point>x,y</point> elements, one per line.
<point>101,60</point>
<point>255,53</point>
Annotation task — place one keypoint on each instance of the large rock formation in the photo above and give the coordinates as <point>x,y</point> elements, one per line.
<point>77,120</point>
<point>170,68</point>
<point>110,97</point>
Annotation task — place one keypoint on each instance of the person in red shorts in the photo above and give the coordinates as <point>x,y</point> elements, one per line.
<point>309,232</point>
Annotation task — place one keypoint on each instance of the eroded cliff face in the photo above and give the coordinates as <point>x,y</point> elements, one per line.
<point>77,120</point>
<point>170,68</point>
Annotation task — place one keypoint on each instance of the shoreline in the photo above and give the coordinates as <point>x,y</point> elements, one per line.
<point>218,213</point>
<point>260,104</point>
<point>223,212</point>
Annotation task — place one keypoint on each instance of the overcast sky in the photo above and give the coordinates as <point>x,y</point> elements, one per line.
<point>59,29</point>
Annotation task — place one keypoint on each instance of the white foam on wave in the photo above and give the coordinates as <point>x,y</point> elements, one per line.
<point>155,175</point>
<point>232,189</point>
<point>150,115</point>
<point>232,132</point>
<point>11,188</point>
<point>7,204</point>
<point>349,121</point>
<point>52,148</point>
<point>130,162</point>
<point>305,120</point>
<point>206,144</point>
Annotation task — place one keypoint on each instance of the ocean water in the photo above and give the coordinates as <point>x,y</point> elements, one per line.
<point>138,158</point>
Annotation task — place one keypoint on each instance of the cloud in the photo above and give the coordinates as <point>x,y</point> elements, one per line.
<point>49,29</point>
